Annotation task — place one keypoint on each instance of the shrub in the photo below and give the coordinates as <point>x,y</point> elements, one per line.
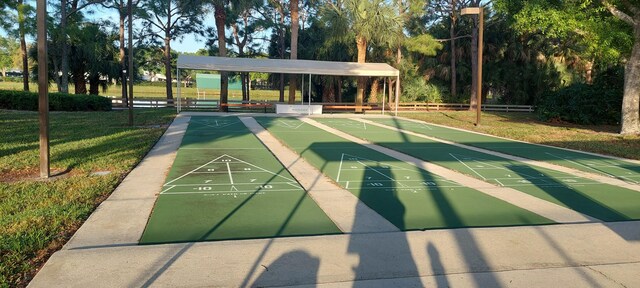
<point>417,89</point>
<point>21,100</point>
<point>599,103</point>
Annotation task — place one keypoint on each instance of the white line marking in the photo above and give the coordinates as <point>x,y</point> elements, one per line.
<point>589,167</point>
<point>193,170</point>
<point>165,190</point>
<point>347,186</point>
<point>499,182</point>
<point>222,192</point>
<point>340,168</point>
<point>465,164</point>
<point>229,170</point>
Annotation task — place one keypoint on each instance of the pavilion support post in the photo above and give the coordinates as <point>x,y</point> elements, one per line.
<point>309,94</point>
<point>384,91</point>
<point>302,89</point>
<point>43,88</point>
<point>178,88</point>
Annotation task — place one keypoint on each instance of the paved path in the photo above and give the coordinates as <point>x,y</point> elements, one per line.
<point>103,252</point>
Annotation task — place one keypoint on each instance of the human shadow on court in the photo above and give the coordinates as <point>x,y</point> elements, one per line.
<point>382,255</point>
<point>568,196</point>
<point>297,267</point>
<point>436,266</point>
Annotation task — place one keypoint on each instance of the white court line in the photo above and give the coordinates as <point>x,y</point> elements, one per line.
<point>499,182</point>
<point>192,171</point>
<point>211,126</point>
<point>596,170</point>
<point>226,184</point>
<point>237,191</point>
<point>229,170</point>
<point>165,190</point>
<point>465,164</point>
<point>340,168</point>
<point>392,180</point>
<point>212,148</point>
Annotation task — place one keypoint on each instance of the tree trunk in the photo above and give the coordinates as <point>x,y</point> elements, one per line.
<point>23,47</point>
<point>167,66</point>
<point>94,85</point>
<point>452,36</point>
<point>474,64</point>
<point>339,89</point>
<point>64,49</point>
<point>391,94</point>
<point>281,36</point>
<point>221,17</point>
<point>79,81</point>
<point>295,25</point>
<point>631,100</point>
<point>375,86</point>
<point>362,54</point>
<point>588,77</point>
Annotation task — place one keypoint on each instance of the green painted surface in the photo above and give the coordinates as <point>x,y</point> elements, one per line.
<point>212,81</point>
<point>224,184</point>
<point>408,197</point>
<point>605,202</point>
<point>621,169</point>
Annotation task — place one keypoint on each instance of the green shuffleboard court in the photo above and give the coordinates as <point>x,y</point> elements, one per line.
<point>614,168</point>
<point>602,201</point>
<point>224,184</point>
<point>409,197</point>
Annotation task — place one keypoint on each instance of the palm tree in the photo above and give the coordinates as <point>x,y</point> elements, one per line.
<point>371,21</point>
<point>295,25</point>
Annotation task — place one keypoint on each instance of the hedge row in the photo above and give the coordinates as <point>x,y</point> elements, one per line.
<point>21,100</point>
<point>599,103</point>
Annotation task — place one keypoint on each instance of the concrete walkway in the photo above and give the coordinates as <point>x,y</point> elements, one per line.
<point>103,253</point>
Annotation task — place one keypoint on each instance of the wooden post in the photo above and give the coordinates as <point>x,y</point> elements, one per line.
<point>130,11</point>
<point>480,46</point>
<point>43,88</point>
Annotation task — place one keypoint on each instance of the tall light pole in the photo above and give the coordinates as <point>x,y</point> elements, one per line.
<point>480,12</point>
<point>130,11</point>
<point>43,88</point>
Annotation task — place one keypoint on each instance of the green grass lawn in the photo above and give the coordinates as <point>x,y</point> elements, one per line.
<point>140,91</point>
<point>38,217</point>
<point>526,127</point>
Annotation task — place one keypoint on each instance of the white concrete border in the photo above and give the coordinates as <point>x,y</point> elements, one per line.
<point>340,205</point>
<point>536,205</point>
<point>592,176</point>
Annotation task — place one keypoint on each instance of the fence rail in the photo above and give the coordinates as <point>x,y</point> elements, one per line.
<point>196,104</point>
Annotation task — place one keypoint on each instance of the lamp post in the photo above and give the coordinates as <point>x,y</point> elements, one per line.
<point>480,12</point>
<point>43,88</point>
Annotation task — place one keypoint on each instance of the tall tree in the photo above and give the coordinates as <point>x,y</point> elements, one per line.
<point>8,47</point>
<point>168,20</point>
<point>121,7</point>
<point>220,15</point>
<point>295,26</point>
<point>68,12</point>
<point>629,12</point>
<point>243,27</point>
<point>19,23</point>
<point>370,22</point>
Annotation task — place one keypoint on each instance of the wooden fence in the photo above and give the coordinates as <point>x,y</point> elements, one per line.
<point>269,106</point>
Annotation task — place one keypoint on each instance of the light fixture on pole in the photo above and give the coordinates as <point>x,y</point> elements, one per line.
<point>480,12</point>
